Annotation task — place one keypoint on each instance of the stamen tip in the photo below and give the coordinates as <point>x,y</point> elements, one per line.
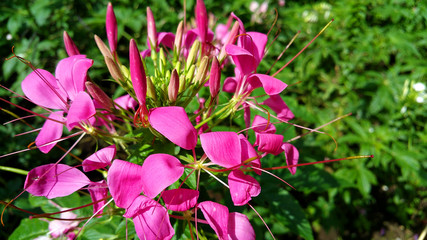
<point>333,19</point>
<point>372,156</point>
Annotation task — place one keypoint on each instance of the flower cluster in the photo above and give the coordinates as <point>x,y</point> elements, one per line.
<point>174,101</point>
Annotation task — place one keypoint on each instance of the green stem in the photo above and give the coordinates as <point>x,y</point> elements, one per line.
<point>14,170</point>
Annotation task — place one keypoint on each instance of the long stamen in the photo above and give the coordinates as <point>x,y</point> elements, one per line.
<point>302,50</point>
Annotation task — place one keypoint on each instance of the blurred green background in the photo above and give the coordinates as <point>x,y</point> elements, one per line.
<point>370,62</point>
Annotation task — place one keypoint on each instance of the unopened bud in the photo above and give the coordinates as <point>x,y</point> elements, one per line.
<point>193,54</point>
<point>114,69</point>
<point>215,78</point>
<point>202,71</point>
<point>190,73</point>
<point>103,48</point>
<point>151,90</point>
<point>70,47</point>
<point>100,96</point>
<point>162,61</point>
<point>111,27</point>
<point>173,86</point>
<point>151,29</point>
<point>137,73</point>
<point>178,38</point>
<point>201,20</point>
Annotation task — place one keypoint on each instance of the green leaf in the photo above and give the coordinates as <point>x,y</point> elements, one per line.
<point>285,211</point>
<point>30,229</point>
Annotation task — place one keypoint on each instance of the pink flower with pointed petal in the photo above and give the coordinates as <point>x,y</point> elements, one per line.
<point>126,102</point>
<point>59,92</point>
<point>150,218</point>
<point>242,187</point>
<point>174,124</point>
<point>201,20</point>
<point>269,143</point>
<point>292,155</point>
<point>271,85</point>
<point>99,159</point>
<point>239,227</point>
<point>137,73</point>
<point>181,199</point>
<point>276,103</point>
<point>125,182</point>
<point>54,180</point>
<point>111,27</point>
<point>217,217</point>
<point>70,47</point>
<point>158,172</point>
<point>98,191</point>
<point>222,148</point>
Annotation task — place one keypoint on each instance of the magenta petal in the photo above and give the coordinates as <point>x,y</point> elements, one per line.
<point>262,125</point>
<point>54,180</point>
<point>239,227</point>
<point>243,59</point>
<point>242,187</point>
<point>41,87</point>
<point>248,152</point>
<point>230,85</point>
<point>98,191</point>
<point>271,85</point>
<point>217,217</point>
<point>166,38</point>
<point>292,155</point>
<point>174,124</point>
<point>269,143</point>
<point>160,171</point>
<point>259,41</point>
<point>201,20</point>
<point>181,199</point>
<point>276,103</point>
<point>51,131</point>
<point>100,159</point>
<point>125,182</point>
<point>81,110</point>
<point>137,73</point>
<point>150,218</point>
<point>126,102</point>
<point>71,73</point>
<point>222,148</point>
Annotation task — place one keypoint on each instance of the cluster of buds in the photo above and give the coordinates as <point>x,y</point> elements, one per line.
<point>172,100</point>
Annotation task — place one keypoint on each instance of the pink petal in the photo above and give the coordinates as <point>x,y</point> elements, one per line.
<point>217,217</point>
<point>269,143</point>
<point>98,191</point>
<point>51,131</point>
<point>271,85</point>
<point>230,85</point>
<point>126,102</point>
<point>160,171</point>
<point>248,152</point>
<point>71,73</point>
<point>276,103</point>
<point>151,29</point>
<point>166,38</point>
<point>243,59</point>
<point>41,87</point>
<point>292,155</point>
<point>181,199</point>
<point>242,187</point>
<point>239,227</point>
<point>100,159</point>
<point>54,180</point>
<point>262,125</point>
<point>125,182</point>
<point>255,43</point>
<point>222,148</point>
<point>150,218</point>
<point>81,110</point>
<point>174,124</point>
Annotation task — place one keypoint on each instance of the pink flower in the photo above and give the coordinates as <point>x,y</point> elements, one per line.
<point>99,159</point>
<point>111,27</point>
<point>64,92</point>
<point>242,187</point>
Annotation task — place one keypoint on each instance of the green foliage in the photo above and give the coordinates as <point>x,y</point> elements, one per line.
<point>366,63</point>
